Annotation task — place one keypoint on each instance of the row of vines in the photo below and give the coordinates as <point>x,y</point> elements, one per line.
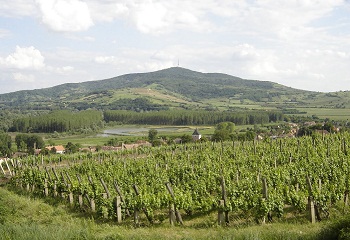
<point>292,170</point>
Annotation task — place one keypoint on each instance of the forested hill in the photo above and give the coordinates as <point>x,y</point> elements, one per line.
<point>170,87</point>
<point>178,80</point>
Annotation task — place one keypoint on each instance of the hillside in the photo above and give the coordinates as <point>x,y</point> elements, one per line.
<point>172,88</point>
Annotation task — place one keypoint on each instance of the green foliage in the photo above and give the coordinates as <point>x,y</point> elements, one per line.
<point>5,145</point>
<point>223,131</point>
<point>225,126</point>
<point>72,148</point>
<point>338,229</point>
<point>45,151</point>
<point>113,142</point>
<point>152,135</point>
<point>195,171</point>
<point>186,138</point>
<point>138,104</point>
<point>308,131</point>
<point>183,117</point>
<point>157,143</point>
<point>60,121</point>
<point>29,142</point>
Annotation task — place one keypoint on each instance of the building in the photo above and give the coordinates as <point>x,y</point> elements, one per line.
<point>196,135</point>
<point>59,149</point>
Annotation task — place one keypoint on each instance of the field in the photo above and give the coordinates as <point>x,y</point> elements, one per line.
<point>251,190</point>
<point>330,113</point>
<point>129,133</point>
<point>27,217</point>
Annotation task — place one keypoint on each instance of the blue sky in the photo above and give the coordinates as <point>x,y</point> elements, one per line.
<point>303,44</point>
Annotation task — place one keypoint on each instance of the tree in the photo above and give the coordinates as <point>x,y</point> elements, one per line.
<point>53,150</point>
<point>186,138</point>
<point>329,127</point>
<point>152,134</point>
<point>223,131</point>
<point>29,142</point>
<point>113,142</point>
<point>71,148</point>
<point>45,151</point>
<point>5,144</point>
<point>225,126</point>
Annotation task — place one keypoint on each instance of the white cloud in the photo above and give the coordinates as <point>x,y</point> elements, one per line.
<point>24,58</point>
<point>151,16</point>
<point>60,70</point>
<point>17,8</point>
<point>23,78</point>
<point>65,15</point>
<point>106,59</point>
<point>107,11</point>
<point>4,33</point>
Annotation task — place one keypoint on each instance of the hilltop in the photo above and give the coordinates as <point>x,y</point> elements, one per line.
<point>172,88</point>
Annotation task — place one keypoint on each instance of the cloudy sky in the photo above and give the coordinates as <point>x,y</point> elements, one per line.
<point>304,44</point>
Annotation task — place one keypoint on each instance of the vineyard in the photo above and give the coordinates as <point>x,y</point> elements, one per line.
<point>261,179</point>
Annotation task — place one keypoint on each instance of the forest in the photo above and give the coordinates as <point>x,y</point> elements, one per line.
<point>59,121</point>
<point>182,117</point>
<point>93,120</point>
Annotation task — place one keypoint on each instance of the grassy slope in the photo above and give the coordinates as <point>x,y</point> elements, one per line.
<point>183,88</point>
<point>23,217</point>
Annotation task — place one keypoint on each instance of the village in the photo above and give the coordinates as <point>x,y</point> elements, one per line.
<point>279,131</point>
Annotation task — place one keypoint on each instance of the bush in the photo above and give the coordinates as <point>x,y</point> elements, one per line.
<point>338,229</point>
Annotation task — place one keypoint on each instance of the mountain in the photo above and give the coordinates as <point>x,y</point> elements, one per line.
<point>171,88</point>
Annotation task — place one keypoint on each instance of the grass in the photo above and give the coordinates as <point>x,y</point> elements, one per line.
<point>26,217</point>
<point>331,113</point>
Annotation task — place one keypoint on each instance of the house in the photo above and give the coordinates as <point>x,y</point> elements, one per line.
<point>196,135</point>
<point>322,132</point>
<point>139,143</point>
<point>59,149</point>
<point>309,124</point>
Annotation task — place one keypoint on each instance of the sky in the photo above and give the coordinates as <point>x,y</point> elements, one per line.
<point>303,44</point>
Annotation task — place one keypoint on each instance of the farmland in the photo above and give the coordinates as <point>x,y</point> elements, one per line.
<point>249,183</point>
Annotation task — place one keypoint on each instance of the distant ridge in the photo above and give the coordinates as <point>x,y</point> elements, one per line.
<point>183,84</point>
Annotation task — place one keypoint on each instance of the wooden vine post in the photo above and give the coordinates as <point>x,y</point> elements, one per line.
<point>70,192</point>
<point>223,217</point>
<point>46,189</point>
<point>106,195</point>
<point>136,212</point>
<point>8,167</point>
<point>2,168</point>
<point>265,197</point>
<point>55,192</point>
<point>118,202</point>
<point>174,214</point>
<point>63,194</point>
<point>92,200</point>
<point>311,204</point>
<point>82,194</point>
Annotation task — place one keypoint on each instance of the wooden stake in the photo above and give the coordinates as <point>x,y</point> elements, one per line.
<point>118,209</point>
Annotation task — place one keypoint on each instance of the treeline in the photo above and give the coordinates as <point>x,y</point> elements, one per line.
<point>182,117</point>
<point>59,121</point>
<point>92,120</point>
